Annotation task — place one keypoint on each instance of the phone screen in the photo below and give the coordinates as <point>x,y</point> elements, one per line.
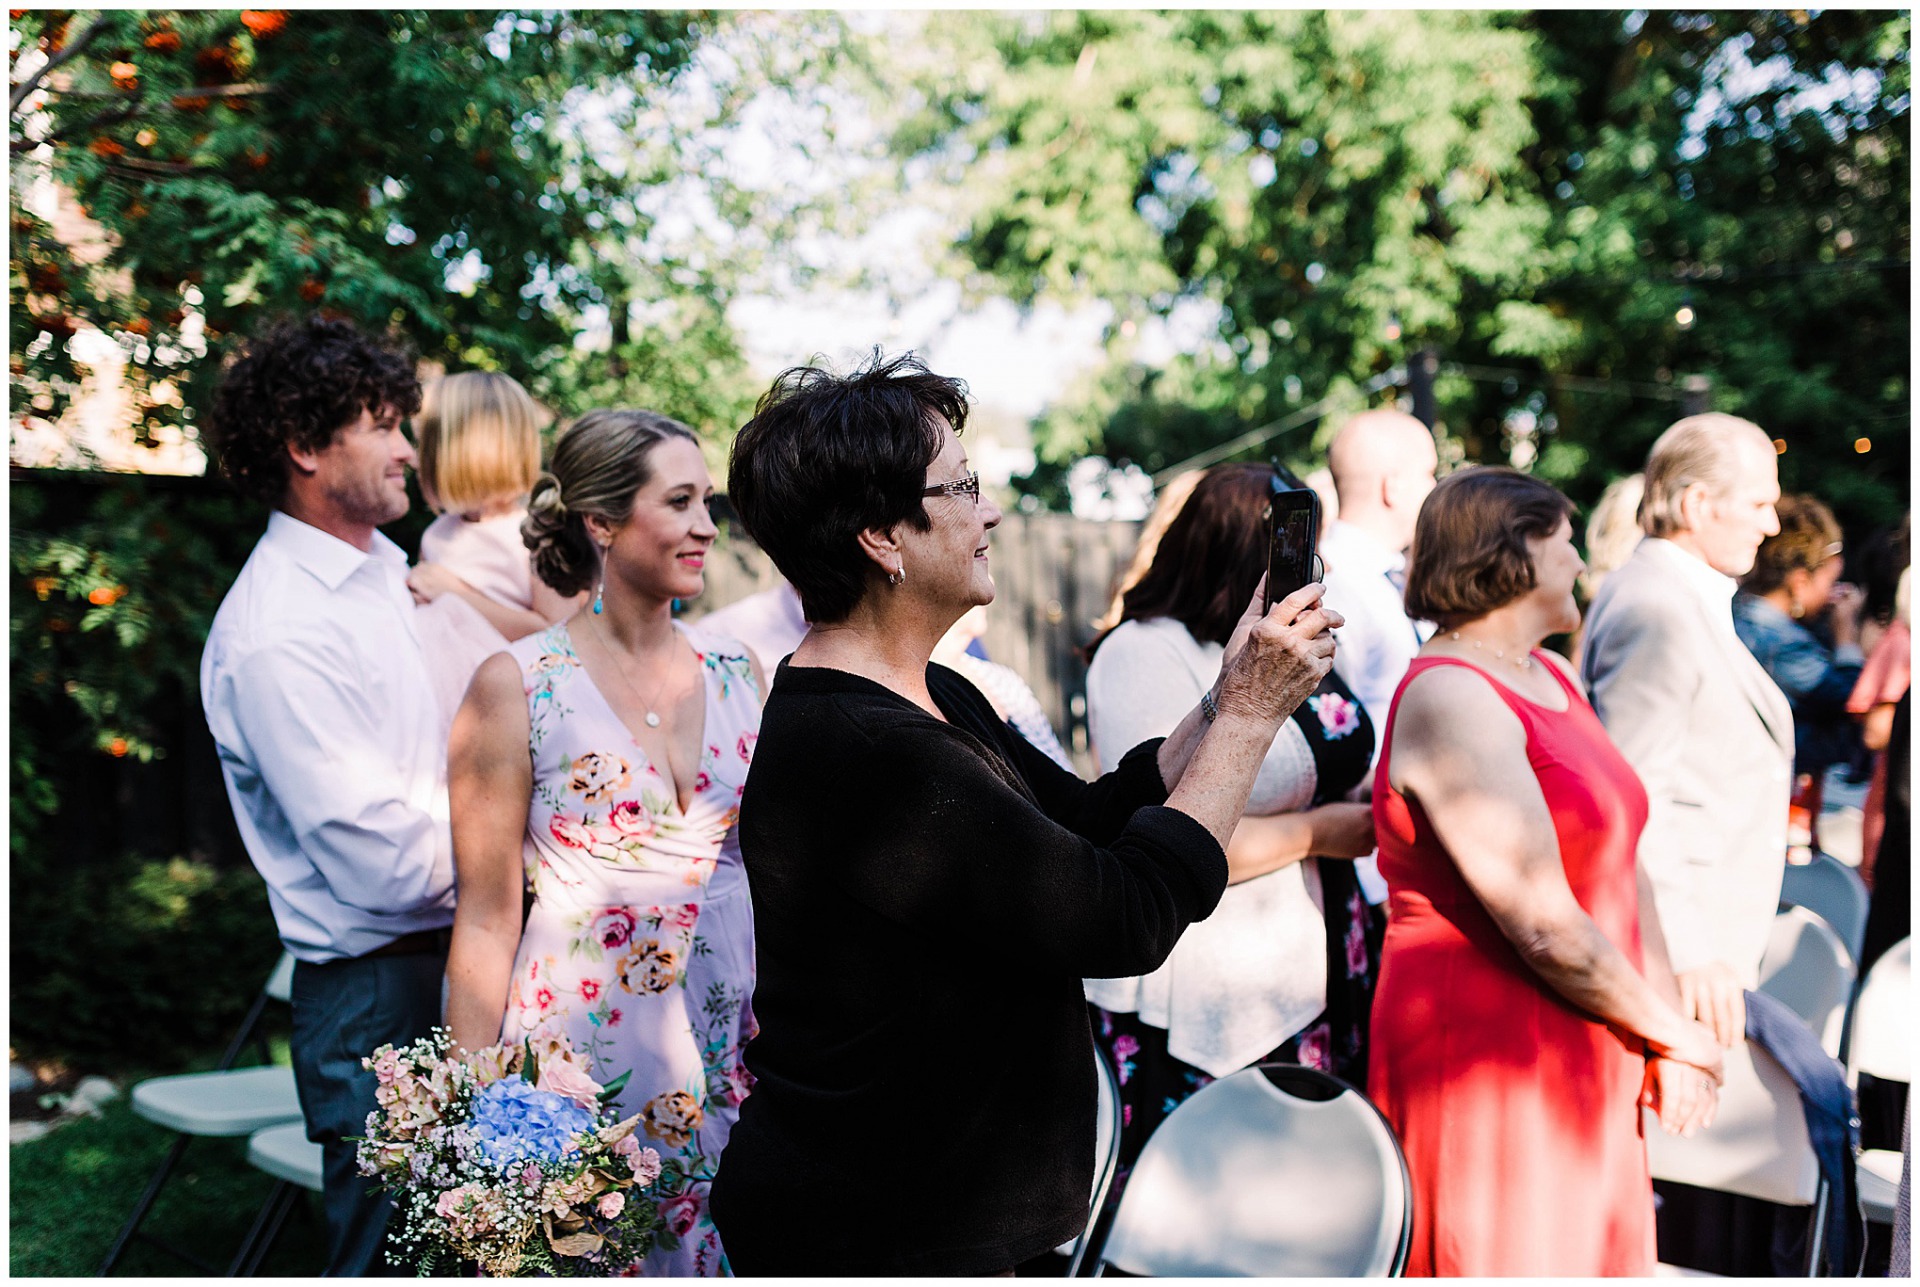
<point>1293,526</point>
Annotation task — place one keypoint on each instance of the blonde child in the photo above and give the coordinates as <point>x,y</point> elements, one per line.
<point>479,440</point>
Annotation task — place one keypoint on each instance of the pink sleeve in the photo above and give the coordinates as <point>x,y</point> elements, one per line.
<point>1887,672</point>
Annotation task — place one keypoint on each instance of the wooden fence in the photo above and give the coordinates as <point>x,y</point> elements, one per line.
<point>1054,574</point>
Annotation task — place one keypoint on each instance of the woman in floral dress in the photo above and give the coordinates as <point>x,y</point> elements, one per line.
<point>604,759</point>
<point>1284,969</point>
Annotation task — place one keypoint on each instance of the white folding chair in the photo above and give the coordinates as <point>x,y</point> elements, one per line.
<point>226,1102</point>
<point>1838,830</point>
<point>1882,1047</point>
<point>1808,969</point>
<point>297,1163</point>
<point>1834,892</point>
<point>1274,1171</point>
<point>1757,1147</point>
<point>1106,1159</point>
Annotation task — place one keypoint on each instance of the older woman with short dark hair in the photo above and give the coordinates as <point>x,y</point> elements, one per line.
<point>1515,1027</point>
<point>928,888</point>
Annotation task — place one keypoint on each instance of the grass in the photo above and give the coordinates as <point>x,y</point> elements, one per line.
<point>74,1187</point>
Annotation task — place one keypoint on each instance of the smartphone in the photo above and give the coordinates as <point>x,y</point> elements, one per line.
<point>1293,541</point>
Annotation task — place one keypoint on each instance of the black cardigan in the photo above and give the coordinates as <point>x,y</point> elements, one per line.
<point>927,897</point>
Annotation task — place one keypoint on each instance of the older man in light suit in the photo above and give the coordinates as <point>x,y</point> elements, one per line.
<point>1707,730</point>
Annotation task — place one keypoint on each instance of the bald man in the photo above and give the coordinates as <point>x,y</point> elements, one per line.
<point>1383,464</point>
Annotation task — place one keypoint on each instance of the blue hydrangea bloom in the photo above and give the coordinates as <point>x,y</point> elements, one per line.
<point>513,1123</point>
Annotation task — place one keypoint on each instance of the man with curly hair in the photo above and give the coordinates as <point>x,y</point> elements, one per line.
<point>318,697</point>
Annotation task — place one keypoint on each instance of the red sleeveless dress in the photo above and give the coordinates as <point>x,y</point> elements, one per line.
<point>1518,1112</point>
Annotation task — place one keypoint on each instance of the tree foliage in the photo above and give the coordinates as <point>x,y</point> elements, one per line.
<point>1575,209</point>
<point>481,182</point>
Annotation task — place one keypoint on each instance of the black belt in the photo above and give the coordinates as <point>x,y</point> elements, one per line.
<point>433,942</point>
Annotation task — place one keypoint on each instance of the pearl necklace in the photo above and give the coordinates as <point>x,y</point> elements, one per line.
<point>1524,663</point>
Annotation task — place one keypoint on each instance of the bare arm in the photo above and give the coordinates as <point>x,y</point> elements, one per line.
<point>1263,844</point>
<point>489,789</point>
<point>1461,754</point>
<point>429,581</point>
<point>1176,752</point>
<point>1876,726</point>
<point>1273,663</point>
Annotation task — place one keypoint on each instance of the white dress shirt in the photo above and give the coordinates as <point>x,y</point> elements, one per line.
<point>323,713</point>
<point>1378,643</point>
<point>1372,651</point>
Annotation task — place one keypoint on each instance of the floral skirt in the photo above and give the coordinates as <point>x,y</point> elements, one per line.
<point>1152,1082</point>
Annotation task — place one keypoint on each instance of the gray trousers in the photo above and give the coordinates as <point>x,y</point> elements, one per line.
<point>342,1010</point>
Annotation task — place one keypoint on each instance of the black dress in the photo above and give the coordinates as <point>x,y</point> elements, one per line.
<point>927,896</point>
<point>1153,1082</point>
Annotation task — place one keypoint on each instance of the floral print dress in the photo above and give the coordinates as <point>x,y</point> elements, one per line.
<point>639,939</point>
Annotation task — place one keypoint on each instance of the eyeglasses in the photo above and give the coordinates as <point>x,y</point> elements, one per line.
<point>967,486</point>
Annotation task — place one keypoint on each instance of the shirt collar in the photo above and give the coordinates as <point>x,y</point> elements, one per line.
<point>328,558</point>
<point>1358,550</point>
<point>1713,588</point>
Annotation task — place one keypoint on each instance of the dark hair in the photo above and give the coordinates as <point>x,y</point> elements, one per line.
<point>828,456</point>
<point>600,462</point>
<point>296,386</point>
<point>1469,553</point>
<point>1210,557</point>
<point>1807,538</point>
<point>1881,559</point>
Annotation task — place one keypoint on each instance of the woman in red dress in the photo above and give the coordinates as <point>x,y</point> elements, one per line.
<point>1516,1031</point>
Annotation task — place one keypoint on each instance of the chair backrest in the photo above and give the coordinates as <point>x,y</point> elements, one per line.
<point>1832,891</point>
<point>1808,969</point>
<point>1757,1146</point>
<point>1276,1171</point>
<point>1106,1160</point>
<point>1882,1044</point>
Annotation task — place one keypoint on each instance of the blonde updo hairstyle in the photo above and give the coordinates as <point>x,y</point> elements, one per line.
<point>599,466</point>
<point>479,436</point>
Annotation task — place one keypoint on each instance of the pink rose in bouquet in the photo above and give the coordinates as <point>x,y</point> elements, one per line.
<point>563,1077</point>
<point>507,1157</point>
<point>471,1211</point>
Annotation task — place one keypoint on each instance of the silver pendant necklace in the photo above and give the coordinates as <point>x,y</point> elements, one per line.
<point>652,716</point>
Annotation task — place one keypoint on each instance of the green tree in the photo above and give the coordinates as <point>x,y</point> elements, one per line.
<point>481,182</point>
<point>1539,198</point>
<point>1730,195</point>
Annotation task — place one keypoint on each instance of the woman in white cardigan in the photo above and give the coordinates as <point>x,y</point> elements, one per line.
<point>1283,969</point>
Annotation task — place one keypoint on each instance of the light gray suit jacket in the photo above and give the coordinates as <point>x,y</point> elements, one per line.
<point>1712,739</point>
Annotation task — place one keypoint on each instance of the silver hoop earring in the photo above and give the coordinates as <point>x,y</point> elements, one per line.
<point>898,576</point>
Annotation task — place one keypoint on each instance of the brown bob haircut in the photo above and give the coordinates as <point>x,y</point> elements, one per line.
<point>1469,552</point>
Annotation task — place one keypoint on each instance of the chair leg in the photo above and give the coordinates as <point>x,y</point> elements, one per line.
<point>265,1231</point>
<point>1817,1233</point>
<point>140,1209</point>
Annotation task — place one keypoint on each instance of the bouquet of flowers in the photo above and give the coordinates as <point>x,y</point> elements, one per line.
<point>508,1156</point>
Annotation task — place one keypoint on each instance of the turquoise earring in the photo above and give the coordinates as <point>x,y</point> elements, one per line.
<point>600,585</point>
